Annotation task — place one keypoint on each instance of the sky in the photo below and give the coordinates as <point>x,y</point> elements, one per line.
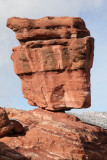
<point>93,12</point>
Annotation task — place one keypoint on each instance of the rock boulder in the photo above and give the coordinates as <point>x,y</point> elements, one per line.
<point>53,61</point>
<point>8,126</point>
<point>5,125</point>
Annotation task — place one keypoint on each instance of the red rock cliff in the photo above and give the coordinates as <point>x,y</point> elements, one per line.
<point>53,61</point>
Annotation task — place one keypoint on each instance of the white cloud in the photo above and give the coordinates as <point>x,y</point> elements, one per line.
<point>37,8</point>
<point>92,3</point>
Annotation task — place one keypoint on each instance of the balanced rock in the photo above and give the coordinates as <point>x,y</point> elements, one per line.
<point>53,61</point>
<point>55,136</point>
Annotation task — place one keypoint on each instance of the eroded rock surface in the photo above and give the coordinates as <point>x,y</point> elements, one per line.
<point>48,28</point>
<point>5,125</point>
<point>8,126</point>
<point>53,61</point>
<point>56,136</point>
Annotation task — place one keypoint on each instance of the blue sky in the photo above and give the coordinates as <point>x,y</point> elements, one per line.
<point>94,13</point>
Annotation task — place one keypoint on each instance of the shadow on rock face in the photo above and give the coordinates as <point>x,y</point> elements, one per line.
<point>14,134</point>
<point>6,153</point>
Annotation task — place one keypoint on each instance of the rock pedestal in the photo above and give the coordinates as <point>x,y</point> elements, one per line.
<point>54,136</point>
<point>53,61</point>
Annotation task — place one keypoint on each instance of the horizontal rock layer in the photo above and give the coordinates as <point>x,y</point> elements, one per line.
<point>47,28</point>
<point>53,55</point>
<point>55,72</point>
<point>54,136</point>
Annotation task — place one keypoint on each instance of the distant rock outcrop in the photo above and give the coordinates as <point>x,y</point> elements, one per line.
<point>53,61</point>
<point>55,136</point>
<point>95,118</point>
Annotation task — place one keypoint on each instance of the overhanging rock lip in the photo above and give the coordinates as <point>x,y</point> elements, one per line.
<point>47,28</point>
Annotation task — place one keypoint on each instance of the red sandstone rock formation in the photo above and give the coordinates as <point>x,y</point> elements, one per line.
<point>54,136</point>
<point>7,126</point>
<point>53,61</point>
<point>48,28</point>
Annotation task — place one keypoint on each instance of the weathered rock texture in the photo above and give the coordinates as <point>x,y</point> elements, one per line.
<point>8,126</point>
<point>54,136</point>
<point>53,61</point>
<point>5,125</point>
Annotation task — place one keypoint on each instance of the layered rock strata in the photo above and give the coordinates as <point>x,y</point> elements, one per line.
<point>54,136</point>
<point>53,61</point>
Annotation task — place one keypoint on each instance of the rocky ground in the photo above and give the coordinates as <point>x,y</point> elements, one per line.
<point>53,136</point>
